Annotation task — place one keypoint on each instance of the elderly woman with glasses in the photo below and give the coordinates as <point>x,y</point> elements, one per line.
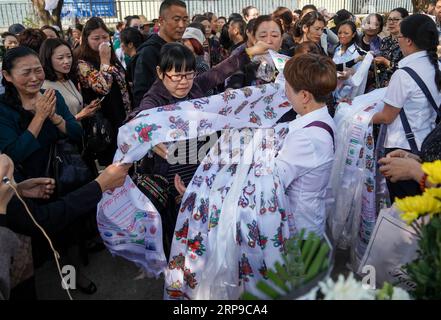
<point>177,81</point>
<point>390,52</point>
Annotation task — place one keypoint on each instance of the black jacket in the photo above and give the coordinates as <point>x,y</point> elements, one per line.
<point>144,63</point>
<point>53,216</point>
<point>9,245</point>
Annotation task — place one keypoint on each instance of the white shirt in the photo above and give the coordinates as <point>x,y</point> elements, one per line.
<point>403,91</point>
<point>343,88</point>
<point>304,164</point>
<point>351,53</point>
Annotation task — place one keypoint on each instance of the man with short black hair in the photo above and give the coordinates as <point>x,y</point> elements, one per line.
<point>173,19</point>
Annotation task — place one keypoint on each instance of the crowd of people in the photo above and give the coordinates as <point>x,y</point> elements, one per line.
<point>76,89</point>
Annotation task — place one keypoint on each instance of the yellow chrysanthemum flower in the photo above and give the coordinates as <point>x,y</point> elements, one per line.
<point>411,204</point>
<point>433,170</point>
<point>418,205</point>
<point>409,217</point>
<point>431,205</point>
<point>433,192</point>
<point>407,204</point>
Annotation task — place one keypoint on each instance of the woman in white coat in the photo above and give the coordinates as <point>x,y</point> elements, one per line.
<point>305,160</point>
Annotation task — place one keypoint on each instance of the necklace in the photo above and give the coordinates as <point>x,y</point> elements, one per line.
<point>72,91</point>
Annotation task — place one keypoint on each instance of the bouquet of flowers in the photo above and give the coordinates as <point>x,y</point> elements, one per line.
<point>351,289</point>
<point>423,213</point>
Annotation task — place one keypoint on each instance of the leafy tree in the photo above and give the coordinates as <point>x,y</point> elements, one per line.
<point>45,17</point>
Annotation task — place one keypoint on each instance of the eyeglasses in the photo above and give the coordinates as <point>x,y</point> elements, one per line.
<point>393,19</point>
<point>179,77</point>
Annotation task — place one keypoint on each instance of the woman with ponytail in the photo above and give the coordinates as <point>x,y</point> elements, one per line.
<point>418,40</point>
<point>309,28</point>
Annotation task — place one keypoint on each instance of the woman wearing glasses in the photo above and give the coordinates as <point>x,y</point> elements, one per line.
<point>390,52</point>
<point>177,81</point>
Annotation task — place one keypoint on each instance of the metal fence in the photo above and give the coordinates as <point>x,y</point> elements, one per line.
<point>359,6</point>
<point>150,9</point>
<point>19,12</point>
<point>23,12</point>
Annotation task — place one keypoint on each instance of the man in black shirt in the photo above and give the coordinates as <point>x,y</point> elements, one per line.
<point>173,19</point>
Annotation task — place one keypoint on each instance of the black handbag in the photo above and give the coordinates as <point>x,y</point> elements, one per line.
<point>157,189</point>
<point>67,167</point>
<point>98,133</point>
